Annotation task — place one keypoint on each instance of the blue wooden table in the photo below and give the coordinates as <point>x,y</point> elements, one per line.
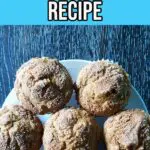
<point>128,45</point>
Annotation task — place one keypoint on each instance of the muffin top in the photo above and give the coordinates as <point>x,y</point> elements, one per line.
<point>43,85</point>
<point>71,128</point>
<point>103,88</point>
<point>128,130</point>
<point>19,129</point>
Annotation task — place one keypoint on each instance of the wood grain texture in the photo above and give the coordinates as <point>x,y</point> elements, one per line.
<point>128,45</point>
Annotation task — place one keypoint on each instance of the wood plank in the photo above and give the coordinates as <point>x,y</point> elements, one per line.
<point>128,45</point>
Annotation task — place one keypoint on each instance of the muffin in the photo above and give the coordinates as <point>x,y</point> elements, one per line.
<point>103,88</point>
<point>71,129</point>
<point>43,85</point>
<point>19,129</point>
<point>128,130</point>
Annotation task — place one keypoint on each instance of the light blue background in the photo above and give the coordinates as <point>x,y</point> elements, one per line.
<point>115,12</point>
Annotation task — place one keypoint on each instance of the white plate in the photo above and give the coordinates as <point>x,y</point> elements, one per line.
<point>74,66</point>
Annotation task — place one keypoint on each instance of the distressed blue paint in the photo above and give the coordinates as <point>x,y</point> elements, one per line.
<point>129,45</point>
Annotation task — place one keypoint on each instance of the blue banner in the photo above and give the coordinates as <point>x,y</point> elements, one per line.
<point>114,12</point>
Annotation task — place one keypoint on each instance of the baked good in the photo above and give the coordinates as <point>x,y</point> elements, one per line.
<point>103,88</point>
<point>43,85</point>
<point>128,130</point>
<point>19,129</point>
<point>71,129</point>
